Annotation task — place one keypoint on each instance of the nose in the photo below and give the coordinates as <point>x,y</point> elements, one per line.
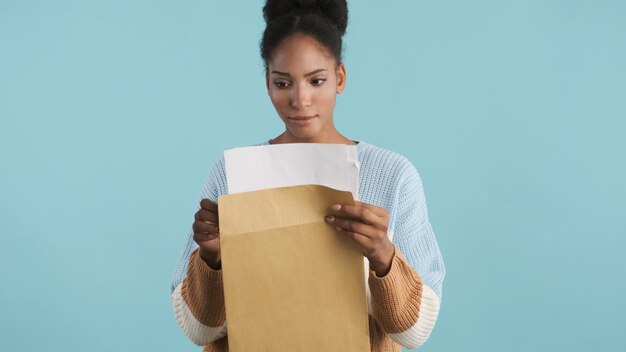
<point>300,98</point>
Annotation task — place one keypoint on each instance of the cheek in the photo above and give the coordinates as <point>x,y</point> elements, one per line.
<point>278,100</point>
<point>327,98</point>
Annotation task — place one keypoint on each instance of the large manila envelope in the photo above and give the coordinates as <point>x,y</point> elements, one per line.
<point>292,282</point>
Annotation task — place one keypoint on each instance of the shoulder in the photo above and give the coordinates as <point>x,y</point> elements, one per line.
<point>218,166</point>
<point>384,161</point>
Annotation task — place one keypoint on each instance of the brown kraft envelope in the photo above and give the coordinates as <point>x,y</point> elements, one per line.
<point>292,282</point>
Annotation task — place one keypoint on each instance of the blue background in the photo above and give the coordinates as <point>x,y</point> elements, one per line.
<point>111,113</point>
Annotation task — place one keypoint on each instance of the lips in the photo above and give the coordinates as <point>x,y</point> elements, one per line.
<point>302,121</point>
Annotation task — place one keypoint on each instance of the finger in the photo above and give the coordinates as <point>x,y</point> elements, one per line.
<point>205,215</point>
<point>357,227</point>
<point>208,205</point>
<point>380,211</point>
<point>204,227</point>
<point>363,214</point>
<point>361,240</point>
<point>201,237</point>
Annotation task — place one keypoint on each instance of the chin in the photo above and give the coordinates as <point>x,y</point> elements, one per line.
<point>300,134</point>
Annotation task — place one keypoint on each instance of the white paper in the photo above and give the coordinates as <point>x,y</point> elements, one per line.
<point>291,164</point>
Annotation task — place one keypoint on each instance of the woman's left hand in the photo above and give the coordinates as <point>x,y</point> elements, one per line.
<point>367,225</point>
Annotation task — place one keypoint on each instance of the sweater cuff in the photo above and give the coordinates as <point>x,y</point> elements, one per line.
<point>203,292</point>
<point>396,297</point>
<point>206,272</point>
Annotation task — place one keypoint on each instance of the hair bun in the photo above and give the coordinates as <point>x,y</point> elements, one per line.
<point>334,10</point>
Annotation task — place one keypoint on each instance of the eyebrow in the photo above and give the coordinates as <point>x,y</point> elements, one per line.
<point>308,74</point>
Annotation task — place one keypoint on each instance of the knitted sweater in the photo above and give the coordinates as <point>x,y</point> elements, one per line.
<point>403,305</point>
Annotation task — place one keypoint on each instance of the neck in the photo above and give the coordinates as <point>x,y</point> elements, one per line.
<point>286,137</point>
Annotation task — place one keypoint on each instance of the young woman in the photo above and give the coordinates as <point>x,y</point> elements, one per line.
<point>301,49</point>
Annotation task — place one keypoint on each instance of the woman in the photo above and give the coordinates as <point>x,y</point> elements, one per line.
<point>301,49</point>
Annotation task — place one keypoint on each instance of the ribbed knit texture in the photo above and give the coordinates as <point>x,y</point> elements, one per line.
<point>396,297</point>
<point>217,346</point>
<point>379,341</point>
<point>204,292</point>
<point>389,180</point>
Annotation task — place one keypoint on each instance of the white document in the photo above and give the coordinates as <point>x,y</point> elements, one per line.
<point>292,164</point>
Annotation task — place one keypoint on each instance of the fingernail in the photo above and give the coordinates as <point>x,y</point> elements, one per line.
<point>329,218</point>
<point>338,228</point>
<point>336,207</point>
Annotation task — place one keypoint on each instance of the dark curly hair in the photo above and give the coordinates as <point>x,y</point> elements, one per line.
<point>324,20</point>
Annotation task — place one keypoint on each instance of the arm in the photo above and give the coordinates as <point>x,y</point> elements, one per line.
<point>405,308</point>
<point>199,302</point>
<point>405,302</point>
<point>197,290</point>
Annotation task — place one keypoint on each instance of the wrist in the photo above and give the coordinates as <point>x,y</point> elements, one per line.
<point>380,262</point>
<point>213,260</point>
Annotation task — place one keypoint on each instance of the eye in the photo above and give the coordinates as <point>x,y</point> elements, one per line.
<point>318,81</point>
<point>281,84</point>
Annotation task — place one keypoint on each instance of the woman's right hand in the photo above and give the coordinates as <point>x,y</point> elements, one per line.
<point>206,233</point>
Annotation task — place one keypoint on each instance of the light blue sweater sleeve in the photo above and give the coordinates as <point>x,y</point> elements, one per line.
<point>390,180</point>
<point>413,233</point>
<point>214,186</point>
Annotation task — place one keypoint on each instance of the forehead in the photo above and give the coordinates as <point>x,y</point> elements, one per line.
<point>300,53</point>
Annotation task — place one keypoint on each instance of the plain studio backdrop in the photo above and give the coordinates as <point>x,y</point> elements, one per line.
<point>111,113</point>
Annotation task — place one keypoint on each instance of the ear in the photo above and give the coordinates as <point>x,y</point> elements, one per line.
<point>267,81</point>
<point>341,78</point>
